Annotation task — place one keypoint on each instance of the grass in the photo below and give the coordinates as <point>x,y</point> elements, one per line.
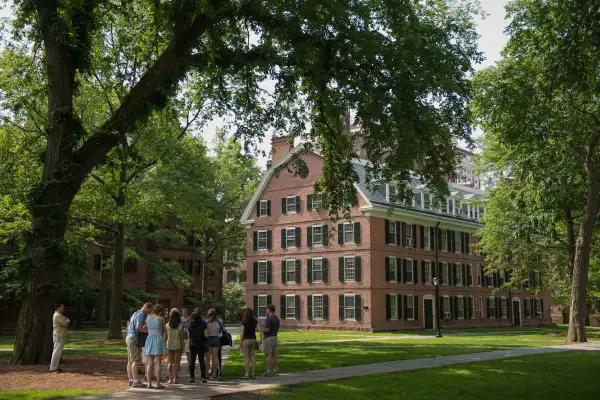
<point>306,357</point>
<point>47,394</point>
<point>565,375</point>
<point>74,340</point>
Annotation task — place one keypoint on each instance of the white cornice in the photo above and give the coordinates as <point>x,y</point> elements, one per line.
<point>416,216</point>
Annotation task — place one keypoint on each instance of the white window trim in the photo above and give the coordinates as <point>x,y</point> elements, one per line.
<point>287,211</point>
<point>503,299</point>
<point>287,230</point>
<point>354,300</point>
<point>458,241</point>
<point>394,299</point>
<point>313,235</point>
<point>492,314</point>
<point>472,302</point>
<point>260,204</point>
<point>287,271</point>
<point>393,223</point>
<point>423,200</point>
<point>287,296</point>
<point>444,240</point>
<point>407,238</point>
<point>266,232</point>
<point>447,281</point>
<point>427,234</point>
<point>413,307</point>
<point>461,302</point>
<point>351,241</point>
<point>396,268</point>
<point>446,299</point>
<point>412,271</point>
<point>480,308</point>
<point>313,307</point>
<point>387,192</point>
<point>470,268</point>
<point>313,271</point>
<point>353,259</point>
<point>459,265</point>
<point>430,273</point>
<point>266,272</point>
<point>266,305</point>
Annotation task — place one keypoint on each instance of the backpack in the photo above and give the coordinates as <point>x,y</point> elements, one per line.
<point>225,337</point>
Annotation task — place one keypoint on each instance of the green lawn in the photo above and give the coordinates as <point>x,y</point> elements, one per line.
<point>74,340</point>
<point>47,394</point>
<point>569,375</point>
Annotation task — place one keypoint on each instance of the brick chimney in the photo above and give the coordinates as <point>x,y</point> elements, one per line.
<point>280,146</point>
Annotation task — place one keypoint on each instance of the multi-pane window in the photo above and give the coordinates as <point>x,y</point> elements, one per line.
<point>527,308</point>
<point>290,204</point>
<point>480,276</point>
<point>470,274</point>
<point>427,238</point>
<point>317,235</point>
<point>263,207</point>
<point>481,307</point>
<point>290,306</point>
<point>444,237</point>
<point>538,308</point>
<point>290,270</point>
<point>349,310</point>
<point>460,308</point>
<point>393,269</point>
<point>392,231</point>
<point>428,273</point>
<point>349,268</point>
<point>469,245</point>
<point>417,200</point>
<point>317,306</point>
<point>409,237</point>
<point>445,273</point>
<point>317,201</point>
<point>262,306</point>
<point>458,238</point>
<point>410,307</point>
<point>348,232</point>
<point>392,193</point>
<point>538,278</point>
<point>426,201</point>
<point>262,272</point>
<point>465,209</point>
<point>317,269</point>
<point>97,262</point>
<point>408,272</point>
<point>503,307</point>
<point>393,306</point>
<point>262,240</point>
<point>458,273</point>
<point>290,237</point>
<point>446,301</point>
<point>471,306</point>
<point>492,307</point>
<point>231,276</point>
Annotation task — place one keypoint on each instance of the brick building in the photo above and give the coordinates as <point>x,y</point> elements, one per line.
<point>374,272</point>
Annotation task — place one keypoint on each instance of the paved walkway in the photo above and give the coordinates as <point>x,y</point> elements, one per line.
<point>209,390</point>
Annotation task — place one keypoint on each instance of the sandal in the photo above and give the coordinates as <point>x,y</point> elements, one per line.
<point>149,387</point>
<point>160,387</point>
<point>245,377</point>
<point>252,377</point>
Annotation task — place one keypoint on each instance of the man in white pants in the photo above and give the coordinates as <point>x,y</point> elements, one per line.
<point>60,323</point>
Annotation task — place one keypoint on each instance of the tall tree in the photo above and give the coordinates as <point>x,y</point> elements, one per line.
<point>540,103</point>
<point>403,66</point>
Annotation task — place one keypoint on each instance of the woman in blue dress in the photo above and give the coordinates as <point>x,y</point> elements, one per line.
<point>155,344</point>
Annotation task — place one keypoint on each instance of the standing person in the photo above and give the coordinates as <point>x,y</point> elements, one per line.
<point>185,321</point>
<point>271,328</point>
<point>197,333</point>
<point>248,341</point>
<point>213,342</point>
<point>155,345</point>
<point>134,349</point>
<point>59,336</point>
<point>174,344</point>
<point>221,340</point>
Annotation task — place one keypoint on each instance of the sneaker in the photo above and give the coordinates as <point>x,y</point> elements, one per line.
<point>267,373</point>
<point>130,384</point>
<point>137,385</point>
<point>275,373</point>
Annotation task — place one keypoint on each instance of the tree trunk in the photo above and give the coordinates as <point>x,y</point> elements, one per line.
<point>570,240</point>
<point>582,253</point>
<point>116,301</point>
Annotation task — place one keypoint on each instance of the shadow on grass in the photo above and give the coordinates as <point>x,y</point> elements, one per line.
<point>46,394</point>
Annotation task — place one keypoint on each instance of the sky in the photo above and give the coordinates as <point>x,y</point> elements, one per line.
<point>492,40</point>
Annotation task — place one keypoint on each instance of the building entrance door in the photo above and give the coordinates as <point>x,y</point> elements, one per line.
<point>516,313</point>
<point>428,306</point>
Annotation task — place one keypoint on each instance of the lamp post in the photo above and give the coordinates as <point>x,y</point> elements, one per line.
<point>438,334</point>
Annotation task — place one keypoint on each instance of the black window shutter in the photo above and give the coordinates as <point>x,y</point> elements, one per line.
<point>423,277</point>
<point>325,306</point>
<point>309,202</point>
<point>298,271</point>
<point>453,274</point>
<point>258,208</point>
<point>284,206</point>
<point>441,307</point>
<point>357,232</point>
<point>269,299</point>
<point>422,236</point>
<point>398,238</point>
<point>498,311</point>
<point>399,306</point>
<point>255,273</point>
<point>508,308</point>
<point>440,272</point>
<point>432,243</point>
<point>532,307</point>
<point>453,237</point>
<point>283,271</point>
<point>403,238</point>
<point>325,267</point>
<point>309,305</point>
<point>357,269</point>
<point>298,204</point>
<point>255,240</point>
<point>309,236</point>
<point>462,243</point>
<point>341,234</point>
<point>404,269</point>
<point>297,305</point>
<point>388,307</point>
<point>269,272</point>
<point>255,303</point>
<point>405,307</point>
<point>283,238</point>
<point>341,303</point>
<point>448,240</point>
<point>341,269</point>
<point>416,303</point>
<point>387,269</point>
<point>309,270</point>
<point>542,306</point>
<point>269,207</point>
<point>487,307</point>
<point>298,237</point>
<point>388,240</point>
<point>415,268</point>
<point>455,311</point>
<point>464,275</point>
<point>469,305</point>
<point>470,275</point>
<point>283,309</point>
<point>269,239</point>
<point>325,236</point>
<point>357,307</point>
<point>414,235</point>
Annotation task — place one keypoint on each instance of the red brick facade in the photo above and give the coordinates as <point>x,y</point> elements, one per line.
<point>372,250</point>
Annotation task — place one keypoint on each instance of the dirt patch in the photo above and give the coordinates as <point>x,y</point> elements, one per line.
<point>116,342</point>
<point>107,373</point>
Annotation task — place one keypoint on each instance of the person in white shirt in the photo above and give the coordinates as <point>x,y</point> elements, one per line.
<point>59,336</point>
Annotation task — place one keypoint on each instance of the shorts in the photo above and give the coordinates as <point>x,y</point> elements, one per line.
<point>270,344</point>
<point>213,341</point>
<point>186,345</point>
<point>134,353</point>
